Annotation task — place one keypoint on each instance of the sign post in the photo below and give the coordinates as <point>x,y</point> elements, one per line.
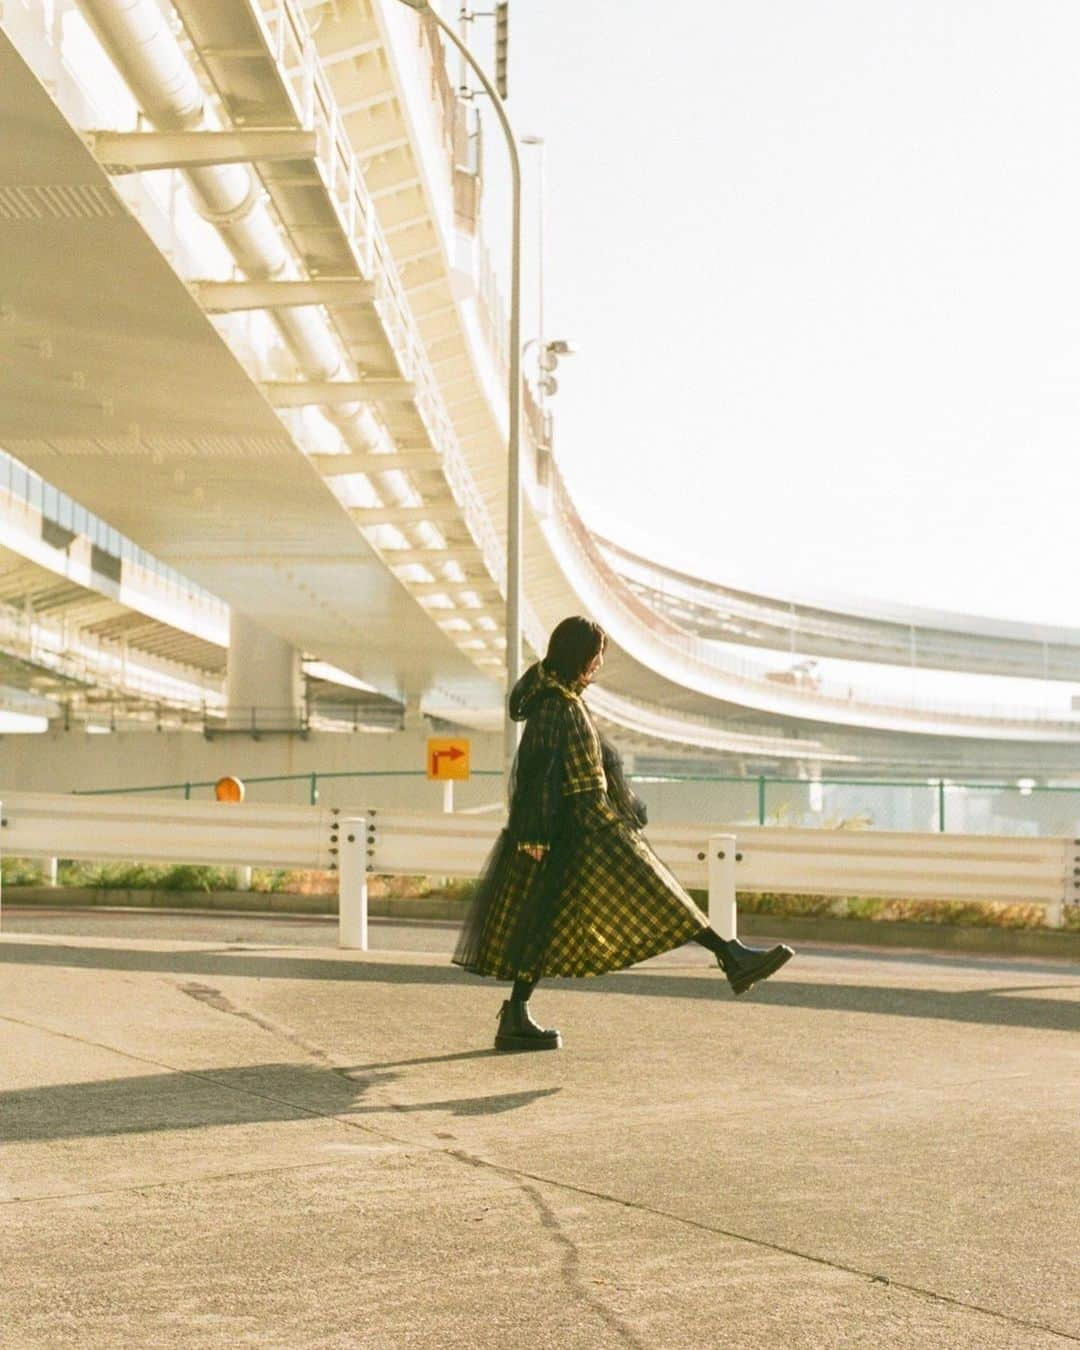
<point>447,763</point>
<point>230,789</point>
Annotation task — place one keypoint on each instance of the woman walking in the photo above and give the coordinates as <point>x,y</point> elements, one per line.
<point>571,887</point>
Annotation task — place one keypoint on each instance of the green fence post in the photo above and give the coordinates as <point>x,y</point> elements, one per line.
<point>313,795</point>
<point>761,800</point>
<point>187,792</point>
<point>941,805</point>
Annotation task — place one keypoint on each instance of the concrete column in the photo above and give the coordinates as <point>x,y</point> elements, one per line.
<point>412,718</point>
<point>264,674</point>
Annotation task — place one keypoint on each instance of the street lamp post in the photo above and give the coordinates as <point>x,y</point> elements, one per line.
<point>537,142</point>
<point>513,483</point>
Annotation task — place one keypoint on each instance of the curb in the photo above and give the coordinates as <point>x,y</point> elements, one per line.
<point>1051,943</point>
<point>234,902</point>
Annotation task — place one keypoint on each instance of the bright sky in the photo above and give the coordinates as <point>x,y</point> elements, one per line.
<point>823,262</point>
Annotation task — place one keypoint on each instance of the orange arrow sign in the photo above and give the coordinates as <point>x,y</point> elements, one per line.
<point>447,759</point>
<point>453,753</point>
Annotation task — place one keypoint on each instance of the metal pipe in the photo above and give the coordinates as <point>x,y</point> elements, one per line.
<point>541,213</point>
<point>511,729</point>
<point>144,49</point>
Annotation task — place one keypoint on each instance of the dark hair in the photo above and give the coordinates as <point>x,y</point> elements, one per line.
<point>571,647</point>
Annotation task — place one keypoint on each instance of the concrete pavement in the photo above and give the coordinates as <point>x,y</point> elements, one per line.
<point>229,1142</point>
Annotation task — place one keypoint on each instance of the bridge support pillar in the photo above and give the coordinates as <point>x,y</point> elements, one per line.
<point>264,681</point>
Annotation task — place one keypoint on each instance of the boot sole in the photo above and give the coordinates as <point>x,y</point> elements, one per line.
<point>762,973</point>
<point>528,1043</point>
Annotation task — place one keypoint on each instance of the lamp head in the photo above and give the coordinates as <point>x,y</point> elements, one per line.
<point>560,347</point>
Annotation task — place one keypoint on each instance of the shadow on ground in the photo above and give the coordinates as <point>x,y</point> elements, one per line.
<point>251,1094</point>
<point>990,1007</point>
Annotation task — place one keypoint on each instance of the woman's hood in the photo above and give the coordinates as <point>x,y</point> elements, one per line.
<point>529,689</point>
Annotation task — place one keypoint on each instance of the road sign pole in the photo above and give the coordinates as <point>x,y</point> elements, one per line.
<point>448,795</point>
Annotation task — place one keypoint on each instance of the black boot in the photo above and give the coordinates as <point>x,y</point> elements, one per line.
<point>517,1030</point>
<point>744,966</point>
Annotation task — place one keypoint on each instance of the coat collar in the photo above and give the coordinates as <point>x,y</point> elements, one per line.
<point>571,691</point>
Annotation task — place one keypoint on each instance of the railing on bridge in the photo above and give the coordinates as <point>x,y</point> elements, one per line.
<point>937,806</point>
<point>24,486</point>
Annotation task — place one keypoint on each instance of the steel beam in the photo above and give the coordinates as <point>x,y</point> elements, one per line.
<point>332,466</point>
<point>405,515</point>
<point>305,393</point>
<point>366,104</point>
<point>409,223</point>
<point>498,613</point>
<point>226,297</point>
<point>381,148</point>
<point>395,188</point>
<point>138,151</point>
<point>349,52</point>
<point>486,586</point>
<point>399,557</point>
<point>421,255</point>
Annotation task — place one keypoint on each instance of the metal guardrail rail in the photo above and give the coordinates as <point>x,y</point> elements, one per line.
<point>43,825</point>
<point>721,859</point>
<point>827,805</point>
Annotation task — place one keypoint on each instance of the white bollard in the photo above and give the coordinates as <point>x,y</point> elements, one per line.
<point>243,878</point>
<point>722,914</point>
<point>52,872</point>
<point>352,883</point>
<point>448,795</point>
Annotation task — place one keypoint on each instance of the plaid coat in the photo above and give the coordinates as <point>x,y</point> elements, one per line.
<point>600,899</point>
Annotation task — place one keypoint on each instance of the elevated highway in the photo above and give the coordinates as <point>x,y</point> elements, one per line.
<point>248,320</point>
<point>849,628</point>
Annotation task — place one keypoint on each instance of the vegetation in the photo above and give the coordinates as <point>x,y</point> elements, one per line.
<point>958,913</point>
<point>126,876</point>
<point>22,872</point>
<point>186,877</point>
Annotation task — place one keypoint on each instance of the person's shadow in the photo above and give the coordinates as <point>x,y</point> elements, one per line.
<point>985,1006</point>
<point>250,1094</point>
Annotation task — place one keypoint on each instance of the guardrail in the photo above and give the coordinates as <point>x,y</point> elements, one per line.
<point>310,781</point>
<point>915,806</point>
<point>898,865</point>
<point>43,825</point>
<point>888,865</point>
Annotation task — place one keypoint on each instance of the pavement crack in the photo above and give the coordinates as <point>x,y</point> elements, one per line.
<point>571,1268</point>
<point>214,998</point>
<point>518,1175</point>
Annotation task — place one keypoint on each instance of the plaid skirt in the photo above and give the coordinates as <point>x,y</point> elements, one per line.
<point>618,904</point>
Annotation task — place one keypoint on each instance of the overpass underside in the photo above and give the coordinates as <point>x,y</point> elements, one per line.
<point>297,402</point>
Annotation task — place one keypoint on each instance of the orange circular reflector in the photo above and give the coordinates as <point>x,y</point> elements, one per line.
<point>229,790</point>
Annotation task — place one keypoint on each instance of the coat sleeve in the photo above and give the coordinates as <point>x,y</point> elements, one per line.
<point>536,793</point>
<point>620,794</point>
<point>585,783</point>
